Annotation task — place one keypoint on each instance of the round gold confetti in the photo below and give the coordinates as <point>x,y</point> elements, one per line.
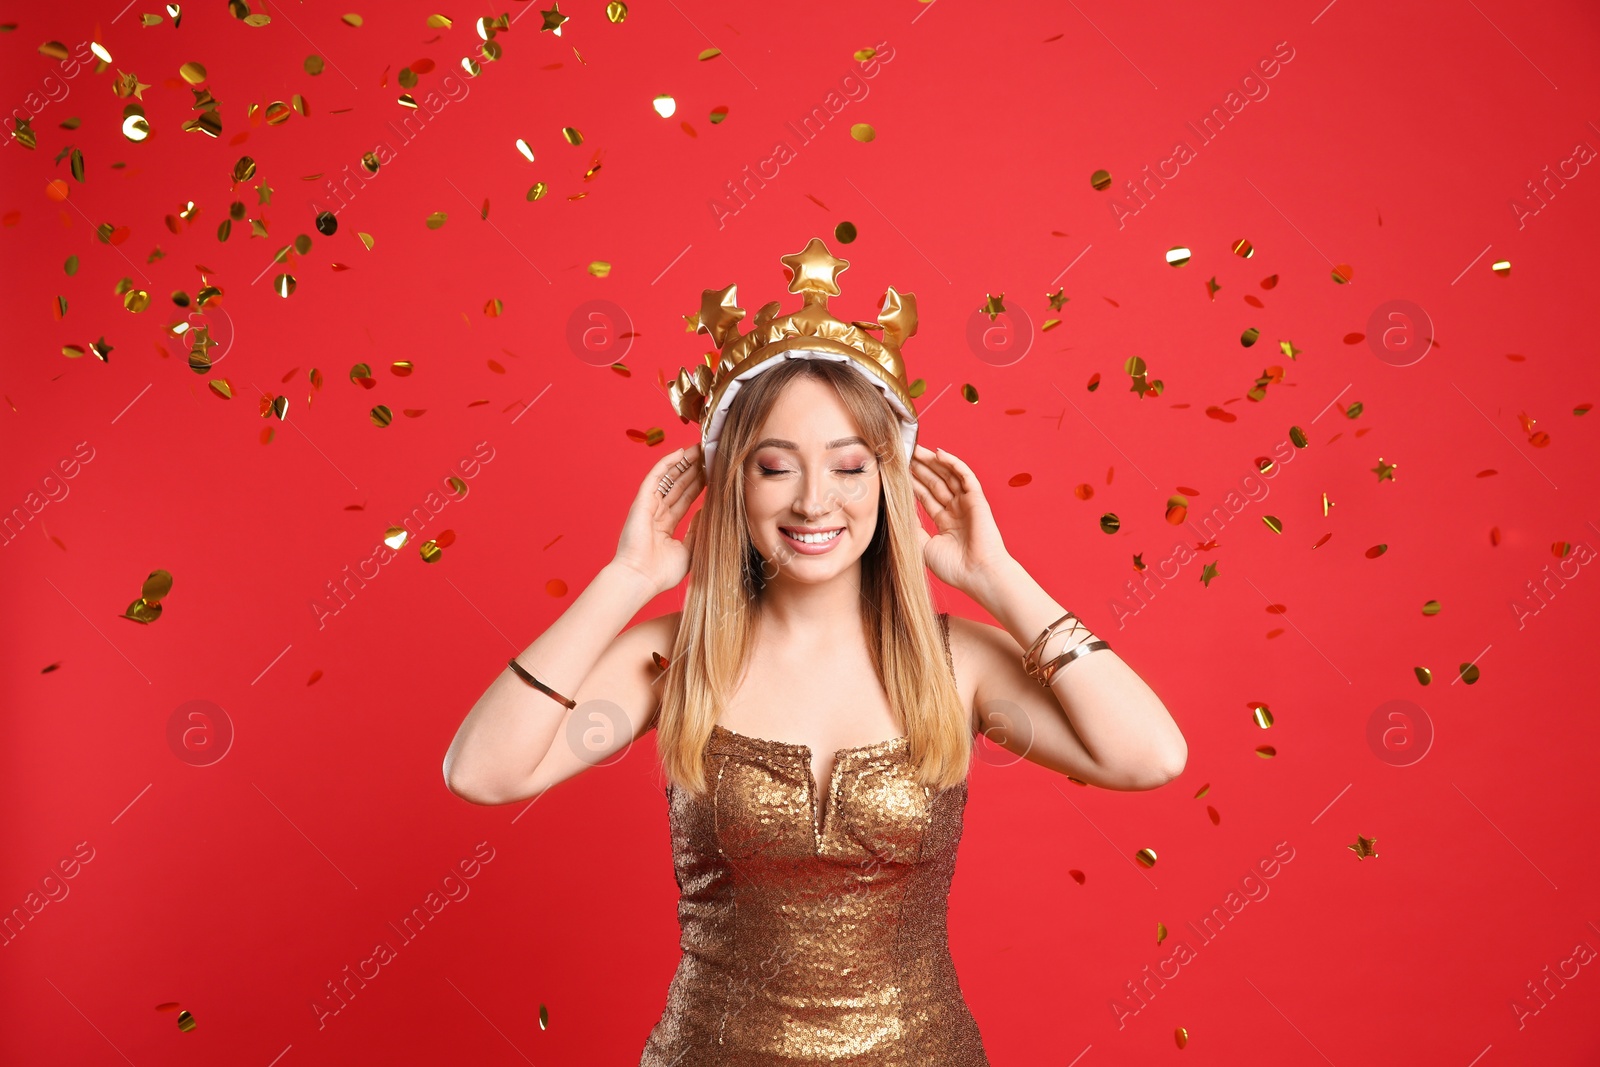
<point>366,240</point>
<point>1273,523</point>
<point>436,220</point>
<point>1101,180</point>
<point>537,190</point>
<point>157,585</point>
<point>278,113</point>
<point>863,54</point>
<point>1243,248</point>
<point>717,115</point>
<point>845,232</point>
<point>283,285</point>
<point>544,1017</point>
<point>430,551</point>
<point>327,223</point>
<point>402,368</point>
<point>396,536</point>
<point>136,300</point>
<point>351,20</point>
<point>1177,256</point>
<point>1502,268</point>
<point>1342,273</point>
<point>573,136</point>
<point>616,11</point>
<point>863,132</point>
<point>360,371</point>
<point>100,51</point>
<point>185,1021</point>
<point>313,65</point>
<point>135,128</point>
<point>600,268</point>
<point>302,243</point>
<point>381,416</point>
<point>193,73</point>
<point>1297,437</point>
<point>709,53</point>
<point>1262,716</point>
<point>1177,506</point>
<point>369,162</point>
<point>1146,857</point>
<point>665,106</point>
<point>1431,607</point>
<point>1109,523</point>
<point>969,393</point>
<point>525,148</point>
<point>1182,1036</point>
<point>1424,675</point>
<point>439,22</point>
<point>1266,751</point>
<point>1250,337</point>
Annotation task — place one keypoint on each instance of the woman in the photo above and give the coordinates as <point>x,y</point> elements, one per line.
<point>813,886</point>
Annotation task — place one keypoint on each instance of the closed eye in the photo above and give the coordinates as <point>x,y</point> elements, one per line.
<point>768,471</point>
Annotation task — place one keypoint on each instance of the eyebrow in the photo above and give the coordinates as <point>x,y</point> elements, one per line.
<point>775,442</point>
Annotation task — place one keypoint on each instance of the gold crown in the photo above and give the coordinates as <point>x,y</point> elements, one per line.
<point>696,396</point>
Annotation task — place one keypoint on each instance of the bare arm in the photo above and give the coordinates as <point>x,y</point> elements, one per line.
<point>506,739</point>
<point>517,741</point>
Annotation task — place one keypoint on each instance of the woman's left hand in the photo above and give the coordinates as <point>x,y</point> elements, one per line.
<point>968,544</point>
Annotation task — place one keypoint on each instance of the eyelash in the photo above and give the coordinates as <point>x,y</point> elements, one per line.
<point>768,472</point>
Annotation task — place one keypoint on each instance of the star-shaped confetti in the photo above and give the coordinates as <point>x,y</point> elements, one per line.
<point>995,306</point>
<point>816,270</point>
<point>1288,349</point>
<point>129,85</point>
<point>264,193</point>
<point>1057,299</point>
<point>1208,572</point>
<point>1212,287</point>
<point>1384,470</point>
<point>1364,847</point>
<point>553,19</point>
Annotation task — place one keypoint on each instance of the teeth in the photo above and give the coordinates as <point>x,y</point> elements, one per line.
<point>812,539</point>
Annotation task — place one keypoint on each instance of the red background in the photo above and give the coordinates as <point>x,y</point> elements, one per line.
<point>1393,142</point>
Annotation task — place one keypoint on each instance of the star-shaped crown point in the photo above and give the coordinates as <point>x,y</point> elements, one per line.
<point>815,271</point>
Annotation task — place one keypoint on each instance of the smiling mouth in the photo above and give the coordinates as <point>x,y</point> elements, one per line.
<point>811,538</point>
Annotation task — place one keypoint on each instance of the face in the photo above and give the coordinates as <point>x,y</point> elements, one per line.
<point>811,470</point>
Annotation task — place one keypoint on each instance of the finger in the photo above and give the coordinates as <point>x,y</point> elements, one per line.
<point>690,452</point>
<point>947,471</point>
<point>969,480</point>
<point>684,489</point>
<point>929,478</point>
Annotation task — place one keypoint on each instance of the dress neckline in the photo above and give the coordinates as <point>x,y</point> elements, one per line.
<point>876,746</point>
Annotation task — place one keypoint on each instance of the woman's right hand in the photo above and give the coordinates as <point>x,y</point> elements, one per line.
<point>647,546</point>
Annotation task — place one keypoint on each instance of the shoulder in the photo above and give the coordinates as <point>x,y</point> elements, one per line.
<point>971,644</point>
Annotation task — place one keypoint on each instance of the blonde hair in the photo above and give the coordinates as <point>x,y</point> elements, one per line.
<point>716,630</point>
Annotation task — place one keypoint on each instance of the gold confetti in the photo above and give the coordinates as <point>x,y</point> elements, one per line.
<point>1424,675</point>
<point>1182,1036</point>
<point>439,22</point>
<point>845,232</point>
<point>1100,180</point>
<point>969,393</point>
<point>1469,672</point>
<point>283,285</point>
<point>1364,848</point>
<point>396,536</point>
<point>351,20</point>
<point>710,53</point>
<point>537,190</point>
<point>147,608</point>
<point>186,1021</point>
<point>1273,523</point>
<point>525,148</point>
<point>1249,337</point>
<point>1177,256</point>
<point>1243,248</point>
<point>544,1017</point>
<point>1266,751</point>
<point>665,106</point>
<point>572,135</point>
<point>1161,932</point>
<point>1384,470</point>
<point>1109,523</point>
<point>1146,857</point>
<point>1502,268</point>
<point>193,73</point>
<point>1342,273</point>
<point>436,220</point>
<point>616,11</point>
<point>1262,715</point>
<point>381,416</point>
<point>863,132</point>
<point>313,65</point>
<point>1297,437</point>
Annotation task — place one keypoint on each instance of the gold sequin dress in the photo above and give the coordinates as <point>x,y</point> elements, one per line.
<point>807,942</point>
